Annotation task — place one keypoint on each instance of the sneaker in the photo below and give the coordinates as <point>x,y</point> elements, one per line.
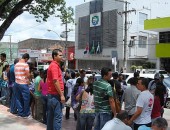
<point>27,117</point>
<point>19,116</point>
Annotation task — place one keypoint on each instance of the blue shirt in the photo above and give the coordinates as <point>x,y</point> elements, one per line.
<point>11,74</point>
<point>144,127</point>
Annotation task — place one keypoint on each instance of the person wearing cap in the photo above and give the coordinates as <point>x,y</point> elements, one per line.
<point>118,123</point>
<point>152,83</point>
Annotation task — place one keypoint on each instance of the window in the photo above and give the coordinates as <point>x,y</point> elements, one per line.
<point>142,17</point>
<point>142,41</point>
<point>164,37</point>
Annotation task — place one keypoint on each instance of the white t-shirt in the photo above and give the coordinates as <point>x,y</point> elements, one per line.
<point>116,124</point>
<point>145,100</point>
<point>70,85</point>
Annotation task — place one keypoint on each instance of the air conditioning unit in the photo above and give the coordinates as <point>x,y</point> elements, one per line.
<point>131,43</point>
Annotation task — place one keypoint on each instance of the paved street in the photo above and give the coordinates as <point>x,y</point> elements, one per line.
<point>12,122</point>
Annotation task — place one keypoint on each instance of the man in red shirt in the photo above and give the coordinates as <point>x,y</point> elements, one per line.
<point>55,92</point>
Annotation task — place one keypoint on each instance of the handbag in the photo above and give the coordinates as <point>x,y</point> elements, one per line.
<point>117,102</point>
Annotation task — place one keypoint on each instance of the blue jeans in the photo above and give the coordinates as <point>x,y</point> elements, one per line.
<point>101,119</point>
<point>44,102</point>
<point>13,107</point>
<point>54,114</point>
<point>23,99</point>
<point>86,121</point>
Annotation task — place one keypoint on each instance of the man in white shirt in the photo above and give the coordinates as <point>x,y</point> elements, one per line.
<point>118,123</point>
<point>70,85</point>
<point>144,105</point>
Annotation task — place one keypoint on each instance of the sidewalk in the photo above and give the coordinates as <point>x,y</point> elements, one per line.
<point>9,121</point>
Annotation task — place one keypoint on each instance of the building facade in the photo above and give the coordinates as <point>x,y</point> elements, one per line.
<point>99,34</point>
<point>162,27</point>
<point>108,35</point>
<point>40,50</point>
<point>10,49</point>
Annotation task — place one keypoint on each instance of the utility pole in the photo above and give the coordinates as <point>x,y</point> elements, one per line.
<point>125,31</point>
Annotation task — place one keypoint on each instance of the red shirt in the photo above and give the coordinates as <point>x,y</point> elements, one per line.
<point>54,73</point>
<point>156,111</point>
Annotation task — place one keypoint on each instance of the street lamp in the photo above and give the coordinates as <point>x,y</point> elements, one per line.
<point>65,46</point>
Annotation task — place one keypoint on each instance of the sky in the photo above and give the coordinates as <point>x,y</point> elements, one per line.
<point>25,26</point>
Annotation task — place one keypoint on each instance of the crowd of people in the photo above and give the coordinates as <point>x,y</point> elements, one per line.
<point>104,104</point>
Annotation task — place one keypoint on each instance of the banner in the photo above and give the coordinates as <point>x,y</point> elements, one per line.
<point>95,19</point>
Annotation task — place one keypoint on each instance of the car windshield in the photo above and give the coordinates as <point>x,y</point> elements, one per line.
<point>166,82</point>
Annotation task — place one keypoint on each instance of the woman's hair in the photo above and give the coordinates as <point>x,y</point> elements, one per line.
<point>160,92</point>
<point>78,83</point>
<point>89,89</point>
<point>5,67</point>
<point>44,73</point>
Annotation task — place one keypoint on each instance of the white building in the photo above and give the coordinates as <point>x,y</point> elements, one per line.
<point>109,34</point>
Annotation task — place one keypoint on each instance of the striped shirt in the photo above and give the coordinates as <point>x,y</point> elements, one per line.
<point>102,90</point>
<point>21,70</point>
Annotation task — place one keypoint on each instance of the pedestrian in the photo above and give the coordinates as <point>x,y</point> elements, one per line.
<point>144,105</point>
<point>2,65</point>
<point>116,86</point>
<point>22,76</point>
<point>43,88</point>
<point>152,83</point>
<point>70,85</point>
<point>158,102</point>
<point>5,90</point>
<point>130,97</point>
<point>13,107</point>
<point>103,99</point>
<point>55,92</point>
<point>158,124</point>
<point>87,110</point>
<point>118,123</point>
<point>76,99</point>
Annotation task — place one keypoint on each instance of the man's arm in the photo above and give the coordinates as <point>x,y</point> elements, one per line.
<point>136,115</point>
<point>57,86</point>
<point>112,105</point>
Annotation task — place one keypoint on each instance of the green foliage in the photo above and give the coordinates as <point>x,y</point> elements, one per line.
<point>133,68</point>
<point>41,9</point>
<point>149,65</point>
<point>11,9</point>
<point>67,13</point>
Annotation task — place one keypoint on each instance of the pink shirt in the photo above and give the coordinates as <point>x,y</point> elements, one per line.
<point>44,88</point>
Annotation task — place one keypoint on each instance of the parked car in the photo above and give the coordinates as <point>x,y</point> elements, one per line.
<point>127,76</point>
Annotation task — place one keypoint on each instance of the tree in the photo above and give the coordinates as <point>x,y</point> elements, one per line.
<point>66,16</point>
<point>11,9</point>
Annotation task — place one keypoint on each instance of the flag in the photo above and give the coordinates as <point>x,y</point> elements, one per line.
<point>98,49</point>
<point>114,62</point>
<point>86,49</point>
<point>92,51</point>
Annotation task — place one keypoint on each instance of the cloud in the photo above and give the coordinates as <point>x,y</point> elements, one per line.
<point>25,26</point>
